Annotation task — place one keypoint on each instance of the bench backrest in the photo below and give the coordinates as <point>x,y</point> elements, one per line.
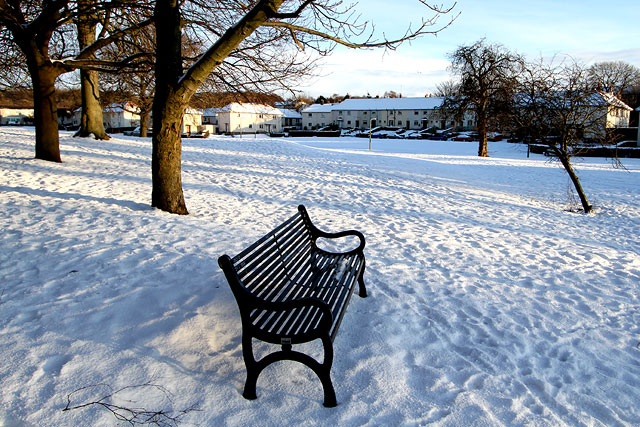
<point>266,268</point>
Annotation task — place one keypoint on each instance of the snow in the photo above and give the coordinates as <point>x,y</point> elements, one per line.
<point>490,303</point>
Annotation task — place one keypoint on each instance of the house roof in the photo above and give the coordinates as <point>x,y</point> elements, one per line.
<point>614,101</point>
<point>211,112</point>
<point>119,108</point>
<point>290,114</point>
<point>377,104</point>
<point>319,108</point>
<point>236,107</point>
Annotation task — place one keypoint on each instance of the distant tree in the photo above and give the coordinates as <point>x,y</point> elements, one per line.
<point>487,80</point>
<point>616,77</point>
<point>249,45</point>
<point>557,106</point>
<point>91,120</point>
<point>135,83</point>
<point>449,88</point>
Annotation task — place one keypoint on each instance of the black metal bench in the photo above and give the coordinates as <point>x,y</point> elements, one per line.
<point>289,292</point>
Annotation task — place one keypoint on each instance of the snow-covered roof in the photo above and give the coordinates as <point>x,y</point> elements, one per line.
<point>420,103</point>
<point>237,107</point>
<point>120,107</point>
<point>290,114</point>
<point>319,108</point>
<point>614,101</point>
<point>211,112</point>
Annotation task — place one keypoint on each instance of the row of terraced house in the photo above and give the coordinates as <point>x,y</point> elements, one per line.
<point>357,113</point>
<point>363,113</point>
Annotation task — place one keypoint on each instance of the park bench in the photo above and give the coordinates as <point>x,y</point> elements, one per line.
<point>290,292</point>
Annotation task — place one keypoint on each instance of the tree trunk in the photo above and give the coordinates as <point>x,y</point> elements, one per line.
<point>144,120</point>
<point>168,110</point>
<point>174,91</point>
<point>91,121</point>
<point>166,158</point>
<point>566,162</point>
<point>482,132</point>
<point>45,108</point>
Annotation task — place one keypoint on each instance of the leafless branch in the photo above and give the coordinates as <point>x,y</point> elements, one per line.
<point>131,415</point>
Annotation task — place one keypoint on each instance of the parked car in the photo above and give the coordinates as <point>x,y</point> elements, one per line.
<point>136,132</point>
<point>465,138</point>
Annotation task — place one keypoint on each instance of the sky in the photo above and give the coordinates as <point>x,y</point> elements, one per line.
<point>587,30</point>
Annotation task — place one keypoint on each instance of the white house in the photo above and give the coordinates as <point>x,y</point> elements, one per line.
<point>116,116</point>
<point>238,118</point>
<point>362,113</point>
<point>408,113</point>
<point>618,113</point>
<point>317,116</point>
<point>291,119</point>
<point>16,116</point>
<point>192,121</point>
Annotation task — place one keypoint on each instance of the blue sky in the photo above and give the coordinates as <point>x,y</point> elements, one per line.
<point>587,30</point>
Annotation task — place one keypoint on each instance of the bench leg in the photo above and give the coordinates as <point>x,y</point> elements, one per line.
<point>253,369</point>
<point>322,370</point>
<point>362,289</point>
<point>324,373</point>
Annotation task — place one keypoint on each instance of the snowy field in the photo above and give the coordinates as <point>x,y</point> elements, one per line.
<point>490,303</point>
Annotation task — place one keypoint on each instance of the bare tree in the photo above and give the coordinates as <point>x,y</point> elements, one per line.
<point>136,82</point>
<point>91,120</point>
<point>251,45</point>
<point>558,107</point>
<point>448,89</point>
<point>45,34</point>
<point>487,80</point>
<point>614,76</point>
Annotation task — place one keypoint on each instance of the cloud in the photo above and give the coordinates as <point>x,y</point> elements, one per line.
<point>375,72</point>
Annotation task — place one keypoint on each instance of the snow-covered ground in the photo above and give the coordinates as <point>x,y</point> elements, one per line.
<point>490,303</point>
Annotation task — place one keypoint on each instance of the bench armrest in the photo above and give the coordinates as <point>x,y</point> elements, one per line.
<point>316,232</point>
<point>319,233</point>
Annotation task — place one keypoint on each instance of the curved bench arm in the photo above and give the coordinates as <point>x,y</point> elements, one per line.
<point>317,233</point>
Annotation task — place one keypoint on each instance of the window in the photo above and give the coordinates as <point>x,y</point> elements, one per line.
<point>416,123</point>
<point>348,122</point>
<point>348,113</point>
<point>399,113</point>
<point>415,113</point>
<point>310,115</point>
<point>365,113</point>
<point>390,122</point>
<point>250,126</point>
<point>260,115</point>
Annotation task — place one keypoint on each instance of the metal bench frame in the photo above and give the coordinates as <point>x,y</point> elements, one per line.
<point>289,292</point>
